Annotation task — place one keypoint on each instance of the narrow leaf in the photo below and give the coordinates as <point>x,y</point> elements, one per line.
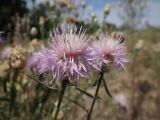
<point>87,94</point>
<point>42,83</point>
<point>76,103</point>
<point>106,88</point>
<point>84,92</point>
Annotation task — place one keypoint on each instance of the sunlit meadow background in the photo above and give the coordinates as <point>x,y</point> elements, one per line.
<point>25,25</point>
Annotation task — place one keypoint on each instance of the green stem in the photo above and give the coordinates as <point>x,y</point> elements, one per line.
<point>13,91</point>
<point>61,94</point>
<point>96,94</point>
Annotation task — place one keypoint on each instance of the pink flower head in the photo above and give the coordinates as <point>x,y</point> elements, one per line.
<point>109,52</point>
<point>71,53</point>
<point>68,55</point>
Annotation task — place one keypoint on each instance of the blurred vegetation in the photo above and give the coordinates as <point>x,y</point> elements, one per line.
<point>9,8</point>
<point>134,12</point>
<point>135,91</point>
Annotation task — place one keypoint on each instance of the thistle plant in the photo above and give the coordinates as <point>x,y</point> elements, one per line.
<point>110,53</point>
<point>71,56</point>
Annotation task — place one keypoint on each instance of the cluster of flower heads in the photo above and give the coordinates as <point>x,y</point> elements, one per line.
<point>71,54</point>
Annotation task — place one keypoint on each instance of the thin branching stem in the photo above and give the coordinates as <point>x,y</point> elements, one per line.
<point>96,94</point>
<point>13,90</point>
<point>42,83</point>
<point>61,94</point>
<point>84,92</point>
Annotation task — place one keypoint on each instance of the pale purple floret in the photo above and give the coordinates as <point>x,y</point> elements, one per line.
<point>42,60</point>
<point>109,52</point>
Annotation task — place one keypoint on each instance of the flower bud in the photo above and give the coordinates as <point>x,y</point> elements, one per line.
<point>41,20</point>
<point>33,31</point>
<point>107,9</point>
<point>93,15</point>
<point>72,19</point>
